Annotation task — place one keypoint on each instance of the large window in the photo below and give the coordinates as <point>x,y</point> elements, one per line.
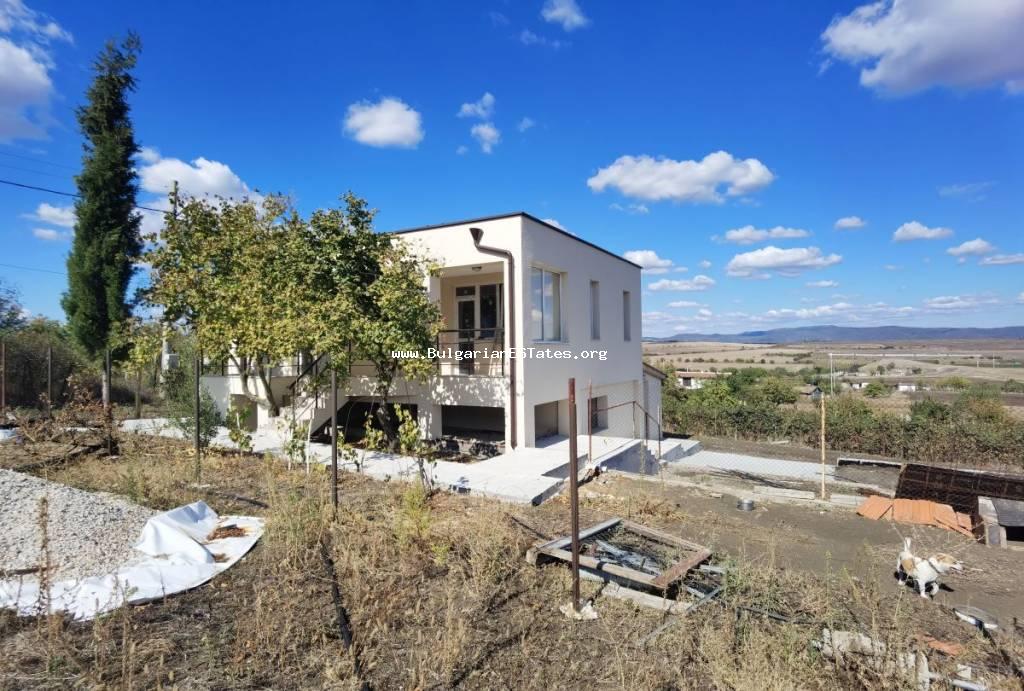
<point>546,312</point>
<point>595,310</point>
<point>627,317</point>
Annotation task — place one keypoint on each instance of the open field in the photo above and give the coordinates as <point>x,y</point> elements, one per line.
<point>440,596</point>
<point>996,361</point>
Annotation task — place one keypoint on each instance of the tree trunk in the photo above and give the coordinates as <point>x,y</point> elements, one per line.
<point>105,385</point>
<point>138,394</point>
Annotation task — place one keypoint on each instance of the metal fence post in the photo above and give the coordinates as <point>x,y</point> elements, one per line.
<point>49,380</point>
<point>3,379</point>
<point>199,450</point>
<point>334,438</point>
<point>574,498</point>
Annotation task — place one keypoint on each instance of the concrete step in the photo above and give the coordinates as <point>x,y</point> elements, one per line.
<point>677,449</point>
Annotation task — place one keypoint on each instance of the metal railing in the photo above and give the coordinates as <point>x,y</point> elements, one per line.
<point>473,352</point>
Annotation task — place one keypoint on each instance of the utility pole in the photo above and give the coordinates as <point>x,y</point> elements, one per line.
<point>824,494</point>
<point>574,498</point>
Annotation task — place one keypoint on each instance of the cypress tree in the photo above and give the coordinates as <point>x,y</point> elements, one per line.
<point>107,240</point>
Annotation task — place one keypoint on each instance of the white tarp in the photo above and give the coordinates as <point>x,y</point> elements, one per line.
<point>175,556</point>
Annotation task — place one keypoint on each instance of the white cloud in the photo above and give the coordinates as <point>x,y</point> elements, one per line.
<point>202,177</point>
<point>556,224</point>
<point>682,304</point>
<point>653,179</point>
<point>525,124</point>
<point>823,284</point>
<point>1020,298</point>
<point>487,135</point>
<point>975,247</point>
<point>945,303</point>
<point>1003,259</point>
<point>918,231</point>
<point>461,149</point>
<point>850,223</point>
<point>497,18</point>
<point>845,312</point>
<point>25,64</point>
<point>909,45</point>
<point>632,209</point>
<point>892,267</point>
<point>704,264</point>
<point>649,261</point>
<point>51,234</point>
<point>387,123</point>
<point>482,109</point>
<point>786,262</point>
<point>148,154</point>
<point>698,283</point>
<point>528,38</point>
<point>564,12</point>
<point>748,235</point>
<point>972,191</point>
<point>63,216</point>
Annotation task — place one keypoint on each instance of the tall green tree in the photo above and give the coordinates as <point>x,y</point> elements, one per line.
<point>107,241</point>
<point>11,313</point>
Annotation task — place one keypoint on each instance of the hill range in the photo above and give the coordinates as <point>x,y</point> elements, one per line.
<point>852,334</point>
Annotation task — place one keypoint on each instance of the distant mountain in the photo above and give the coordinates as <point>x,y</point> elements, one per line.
<point>854,334</point>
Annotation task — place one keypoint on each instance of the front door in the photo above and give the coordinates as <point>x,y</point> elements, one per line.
<point>466,310</point>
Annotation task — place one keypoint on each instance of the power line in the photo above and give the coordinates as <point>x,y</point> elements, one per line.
<point>68,194</point>
<point>33,171</point>
<point>37,160</point>
<point>29,268</point>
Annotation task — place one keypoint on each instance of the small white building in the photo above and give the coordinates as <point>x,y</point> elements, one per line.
<point>513,284</point>
<point>906,386</point>
<point>693,380</point>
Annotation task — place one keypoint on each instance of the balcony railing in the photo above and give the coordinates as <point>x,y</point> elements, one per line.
<point>473,352</point>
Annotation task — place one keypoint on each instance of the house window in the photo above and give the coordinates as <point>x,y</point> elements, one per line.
<point>595,310</point>
<point>627,319</point>
<point>546,315</point>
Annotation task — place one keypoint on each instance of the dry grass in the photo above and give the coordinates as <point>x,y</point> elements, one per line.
<point>439,596</point>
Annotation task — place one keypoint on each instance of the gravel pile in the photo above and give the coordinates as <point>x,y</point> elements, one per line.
<point>91,533</point>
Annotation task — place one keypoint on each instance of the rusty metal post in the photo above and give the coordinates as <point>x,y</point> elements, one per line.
<point>823,491</point>
<point>590,423</point>
<point>49,380</point>
<point>334,438</point>
<point>198,412</point>
<point>574,498</point>
<point>3,379</point>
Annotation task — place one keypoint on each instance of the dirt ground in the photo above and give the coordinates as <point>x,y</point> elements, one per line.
<point>834,544</point>
<point>438,593</point>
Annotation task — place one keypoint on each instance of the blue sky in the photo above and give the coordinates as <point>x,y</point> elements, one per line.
<point>656,131</point>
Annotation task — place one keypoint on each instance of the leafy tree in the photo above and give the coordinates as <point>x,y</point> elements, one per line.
<point>929,410</point>
<point>107,241</point>
<point>11,313</point>
<point>141,341</point>
<point>179,392</point>
<point>876,389</point>
<point>775,391</point>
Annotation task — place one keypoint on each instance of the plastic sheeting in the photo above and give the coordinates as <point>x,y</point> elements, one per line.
<point>176,554</point>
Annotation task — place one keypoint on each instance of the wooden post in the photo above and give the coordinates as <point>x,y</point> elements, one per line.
<point>574,498</point>
<point>824,494</point>
<point>334,438</point>
<point>138,393</point>
<point>3,379</point>
<point>197,412</point>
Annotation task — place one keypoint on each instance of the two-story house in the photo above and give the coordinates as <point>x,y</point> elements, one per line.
<point>526,305</point>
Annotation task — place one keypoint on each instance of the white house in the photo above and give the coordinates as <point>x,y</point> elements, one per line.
<point>513,285</point>
<point>906,386</point>
<point>687,379</point>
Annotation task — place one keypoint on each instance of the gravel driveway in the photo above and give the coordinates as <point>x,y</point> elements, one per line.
<point>91,533</point>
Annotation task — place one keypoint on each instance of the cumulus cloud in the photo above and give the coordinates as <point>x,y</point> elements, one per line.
<point>564,12</point>
<point>945,303</point>
<point>649,261</point>
<point>704,264</point>
<point>918,231</point>
<point>698,283</point>
<point>645,177</point>
<point>904,46</point>
<point>487,136</point>
<point>632,209</point>
<point>528,38</point>
<point>482,109</point>
<point>386,123</point>
<point>555,223</point>
<point>850,223</point>
<point>1003,259</point>
<point>63,216</point>
<point>823,284</point>
<point>774,260</point>
<point>972,191</point>
<point>51,234</point>
<point>682,304</point>
<point>749,235</point>
<point>525,124</point>
<point>26,61</point>
<point>975,247</point>
<point>1020,298</point>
